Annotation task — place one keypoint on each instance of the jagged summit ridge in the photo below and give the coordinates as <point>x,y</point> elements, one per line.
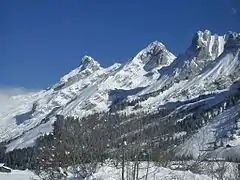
<point>87,66</point>
<point>206,45</point>
<point>203,51</point>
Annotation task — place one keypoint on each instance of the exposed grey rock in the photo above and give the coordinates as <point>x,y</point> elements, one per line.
<point>232,41</point>
<point>155,55</point>
<point>205,45</point>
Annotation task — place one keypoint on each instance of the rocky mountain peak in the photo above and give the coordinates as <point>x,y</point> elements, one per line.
<point>156,44</point>
<point>232,40</point>
<point>206,45</point>
<point>155,55</point>
<point>88,62</point>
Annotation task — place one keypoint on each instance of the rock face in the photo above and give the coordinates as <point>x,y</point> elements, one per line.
<point>233,41</point>
<point>155,55</point>
<point>204,49</point>
<point>206,46</point>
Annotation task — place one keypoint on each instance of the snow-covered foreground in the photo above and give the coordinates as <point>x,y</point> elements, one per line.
<point>111,173</point>
<point>155,173</point>
<point>18,175</point>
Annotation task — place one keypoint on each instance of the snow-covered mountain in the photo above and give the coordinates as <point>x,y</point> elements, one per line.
<point>203,51</point>
<point>154,78</point>
<point>190,77</point>
<point>85,90</point>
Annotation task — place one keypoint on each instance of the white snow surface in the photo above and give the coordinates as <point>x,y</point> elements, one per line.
<point>18,175</point>
<point>220,130</point>
<point>107,172</point>
<point>155,173</point>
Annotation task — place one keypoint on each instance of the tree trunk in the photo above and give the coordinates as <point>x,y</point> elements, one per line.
<point>123,162</point>
<point>147,168</point>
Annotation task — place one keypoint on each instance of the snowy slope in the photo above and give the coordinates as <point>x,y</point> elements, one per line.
<point>221,130</point>
<point>16,105</point>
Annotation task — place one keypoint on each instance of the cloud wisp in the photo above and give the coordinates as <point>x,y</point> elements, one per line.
<point>7,92</point>
<point>234,11</point>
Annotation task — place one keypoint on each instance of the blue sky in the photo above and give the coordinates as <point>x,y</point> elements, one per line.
<point>42,40</point>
